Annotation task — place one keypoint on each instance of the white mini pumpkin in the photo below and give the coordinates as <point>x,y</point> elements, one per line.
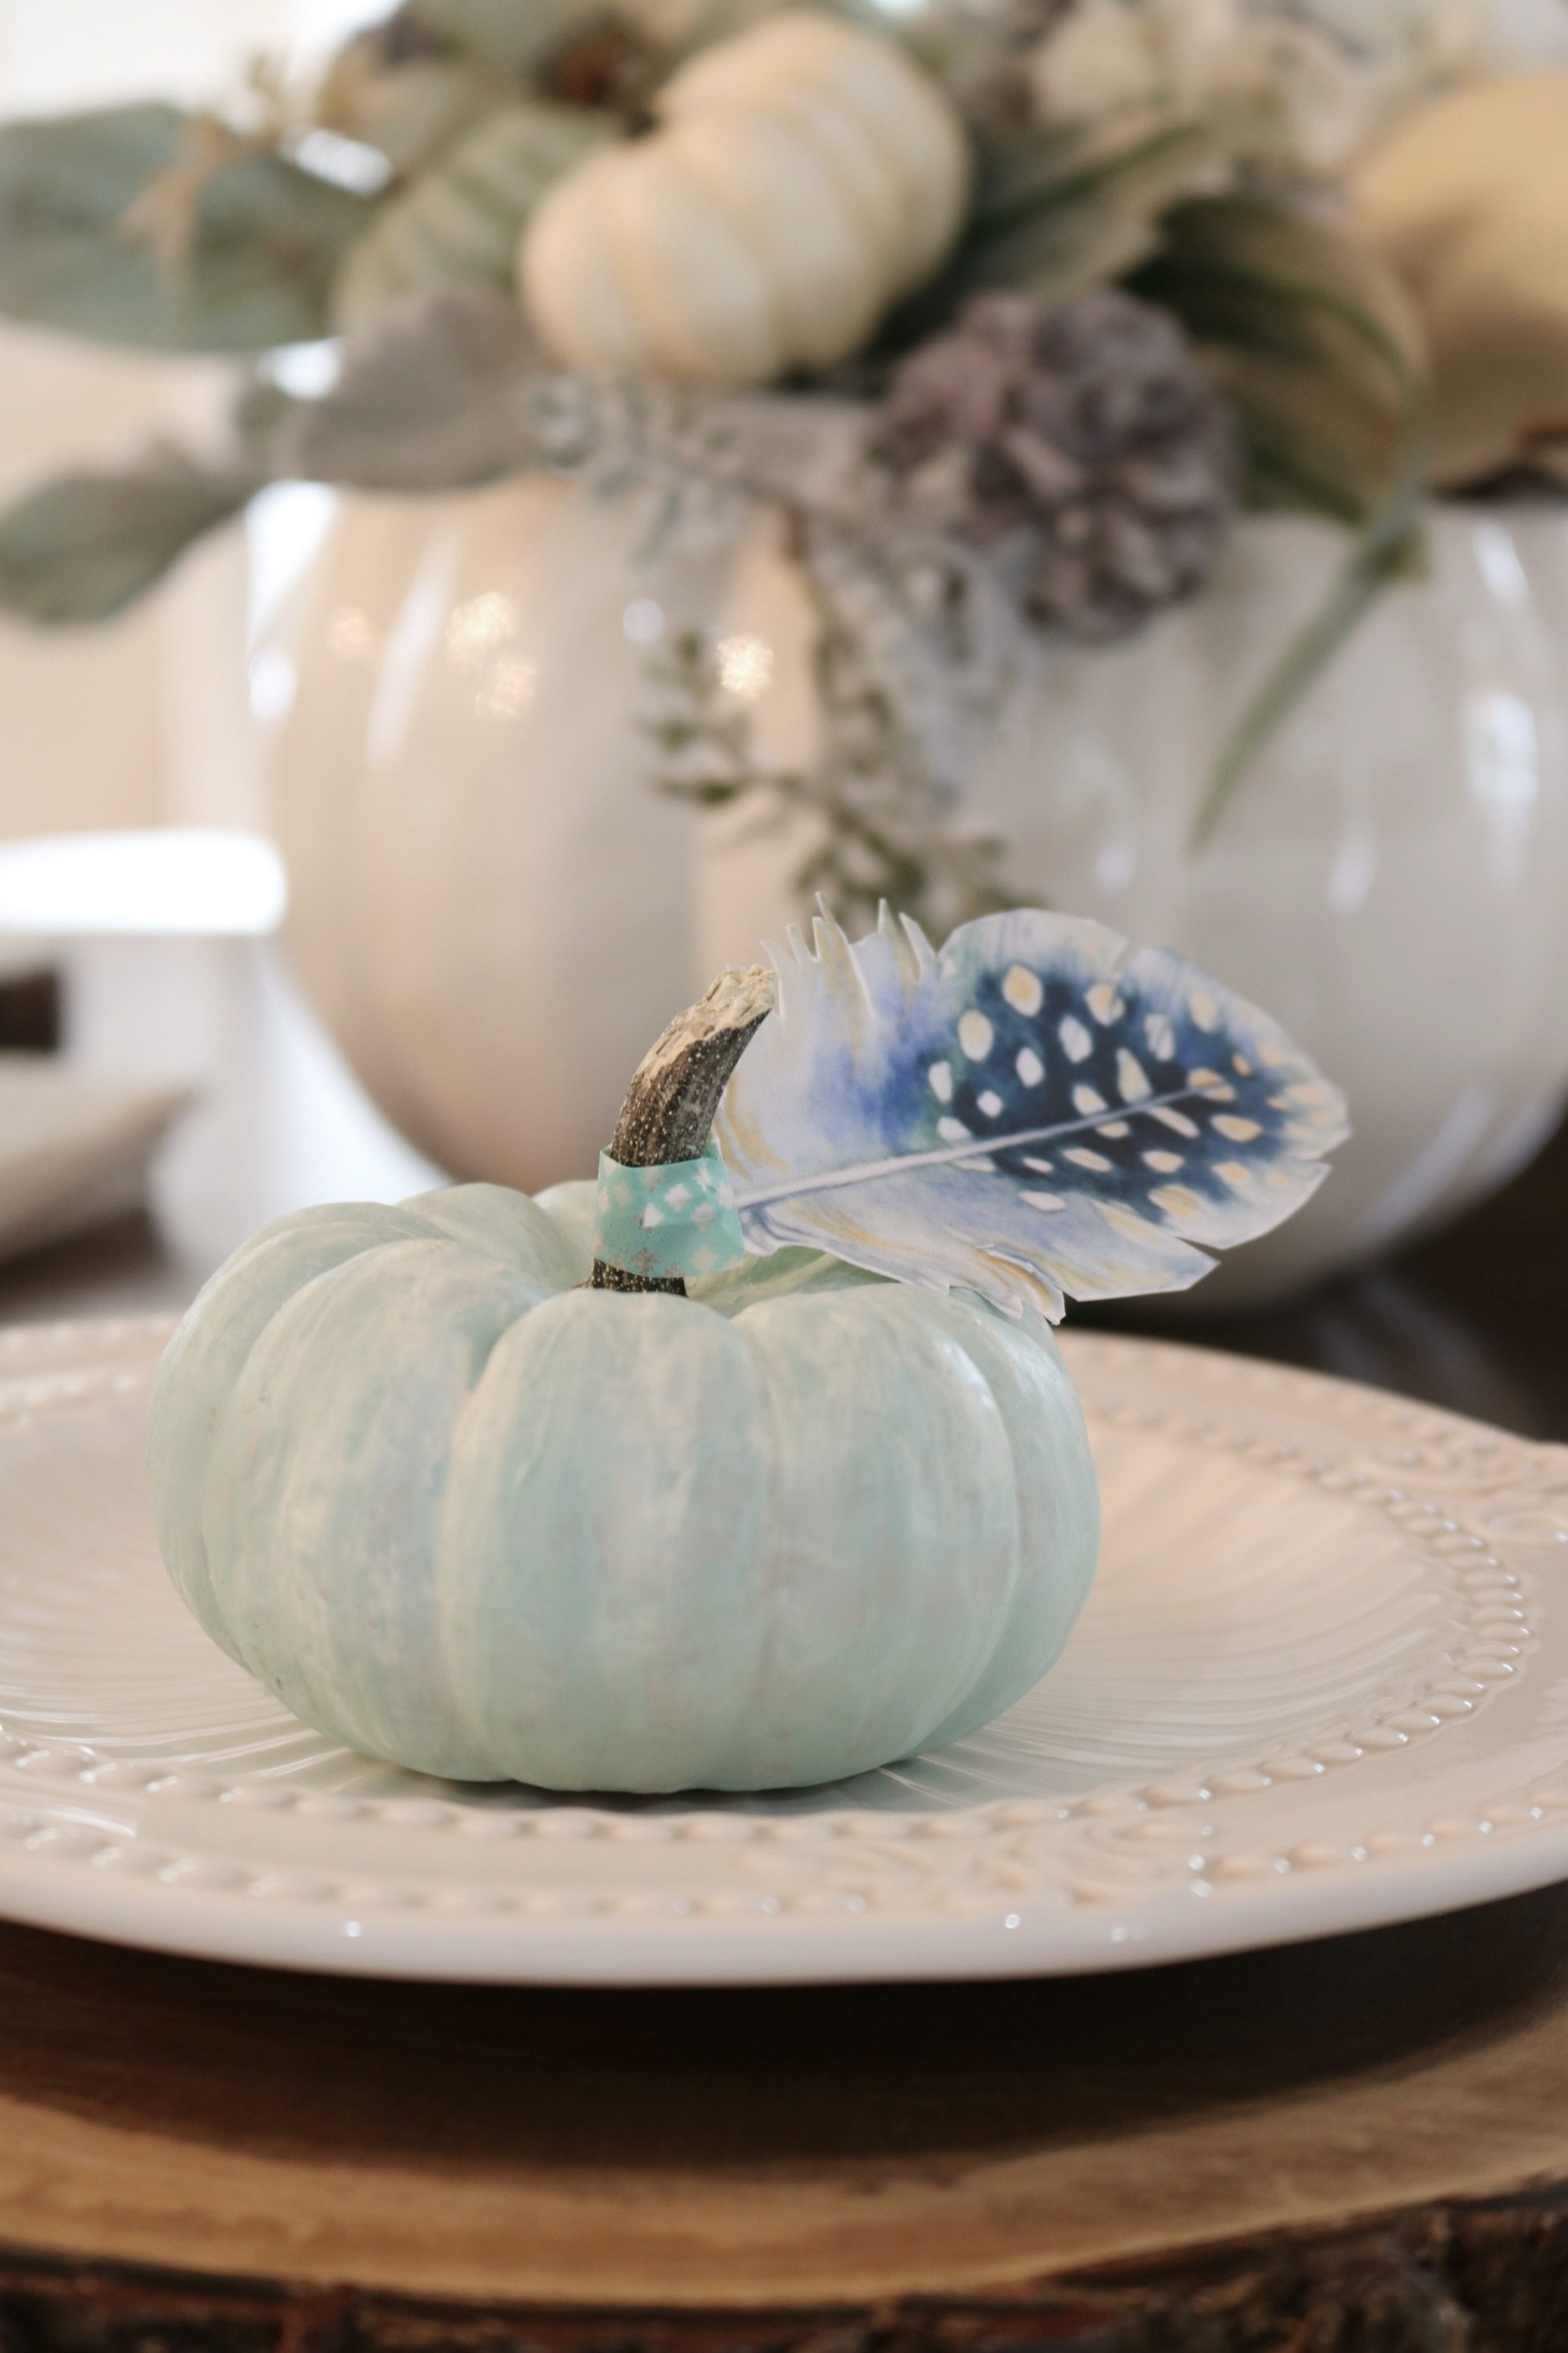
<point>804,175</point>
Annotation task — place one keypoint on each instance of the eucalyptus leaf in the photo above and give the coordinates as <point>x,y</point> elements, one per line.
<point>428,398</point>
<point>451,388</point>
<point>265,237</point>
<point>459,220</point>
<point>84,546</point>
<point>1314,341</point>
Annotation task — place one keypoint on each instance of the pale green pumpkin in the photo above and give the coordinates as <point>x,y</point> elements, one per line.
<point>462,1513</point>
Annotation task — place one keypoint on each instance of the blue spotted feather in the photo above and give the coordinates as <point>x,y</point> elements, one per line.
<point>1039,1109</point>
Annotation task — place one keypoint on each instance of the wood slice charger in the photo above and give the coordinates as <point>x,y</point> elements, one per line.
<point>1321,2147</point>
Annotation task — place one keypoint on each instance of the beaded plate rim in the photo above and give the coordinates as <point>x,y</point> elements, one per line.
<point>1126,1874</point>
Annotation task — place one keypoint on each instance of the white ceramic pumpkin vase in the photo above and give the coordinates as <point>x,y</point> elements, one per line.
<point>490,900</point>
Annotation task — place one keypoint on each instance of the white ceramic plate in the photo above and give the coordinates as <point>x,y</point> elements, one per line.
<point>1321,1683</point>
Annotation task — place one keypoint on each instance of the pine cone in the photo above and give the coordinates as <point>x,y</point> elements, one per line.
<point>1086,425</point>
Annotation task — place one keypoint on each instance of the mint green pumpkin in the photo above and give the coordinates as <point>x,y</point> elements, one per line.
<point>462,1515</point>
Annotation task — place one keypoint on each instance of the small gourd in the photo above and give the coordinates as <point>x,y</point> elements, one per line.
<point>1467,200</point>
<point>482,1486</point>
<point>804,175</point>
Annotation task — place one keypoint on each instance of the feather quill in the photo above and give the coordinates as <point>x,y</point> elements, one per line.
<point>1039,1110</point>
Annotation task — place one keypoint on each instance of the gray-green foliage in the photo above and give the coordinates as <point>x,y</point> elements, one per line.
<point>871,828</point>
<point>1058,212</point>
<point>513,37</point>
<point>265,237</point>
<point>84,546</point>
<point>442,385</point>
<point>432,397</point>
<point>1316,343</point>
<point>458,222</point>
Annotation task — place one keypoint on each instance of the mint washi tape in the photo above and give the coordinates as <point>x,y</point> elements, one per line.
<point>679,1219</point>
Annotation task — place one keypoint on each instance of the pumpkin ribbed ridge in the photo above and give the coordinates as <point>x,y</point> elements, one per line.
<point>463,1513</point>
<point>806,174</point>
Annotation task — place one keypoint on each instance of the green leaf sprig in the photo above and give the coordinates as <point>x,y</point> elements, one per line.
<point>84,546</point>
<point>1317,346</point>
<point>263,241</point>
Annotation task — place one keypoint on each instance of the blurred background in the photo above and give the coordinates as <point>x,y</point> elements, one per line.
<point>97,726</point>
<point>436,629</point>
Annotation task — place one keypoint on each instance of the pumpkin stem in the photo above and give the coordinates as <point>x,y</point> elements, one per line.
<point>669,1110</point>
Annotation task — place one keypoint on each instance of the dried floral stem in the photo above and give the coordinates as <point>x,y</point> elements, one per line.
<point>876,841</point>
<point>875,800</point>
<point>1380,557</point>
<point>669,1110</point>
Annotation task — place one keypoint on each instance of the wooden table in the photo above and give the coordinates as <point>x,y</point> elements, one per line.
<point>1360,2144</point>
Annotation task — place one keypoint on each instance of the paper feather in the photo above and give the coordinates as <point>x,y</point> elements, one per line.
<point>1039,1109</point>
